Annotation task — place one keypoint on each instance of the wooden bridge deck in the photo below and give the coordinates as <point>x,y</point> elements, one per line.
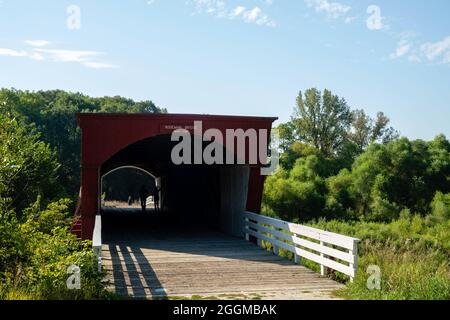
<point>186,262</point>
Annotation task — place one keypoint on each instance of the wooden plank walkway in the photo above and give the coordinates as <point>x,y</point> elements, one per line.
<point>186,262</point>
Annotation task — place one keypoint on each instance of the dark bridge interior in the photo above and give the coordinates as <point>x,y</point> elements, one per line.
<point>192,195</point>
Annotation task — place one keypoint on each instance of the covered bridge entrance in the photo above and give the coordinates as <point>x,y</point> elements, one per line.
<point>215,193</point>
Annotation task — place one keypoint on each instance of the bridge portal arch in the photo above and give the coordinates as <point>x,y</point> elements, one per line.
<point>127,167</point>
<point>122,184</point>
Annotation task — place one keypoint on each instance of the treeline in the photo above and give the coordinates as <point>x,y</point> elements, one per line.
<point>340,163</point>
<point>39,177</point>
<point>121,184</point>
<point>51,114</point>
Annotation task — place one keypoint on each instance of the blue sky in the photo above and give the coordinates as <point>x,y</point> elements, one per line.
<point>244,57</point>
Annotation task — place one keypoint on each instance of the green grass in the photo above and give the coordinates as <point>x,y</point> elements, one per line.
<point>413,254</point>
<point>405,275</point>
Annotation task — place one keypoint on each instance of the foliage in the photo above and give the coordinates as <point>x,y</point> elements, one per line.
<point>28,166</point>
<point>440,206</point>
<point>35,245</point>
<point>383,181</point>
<point>366,130</point>
<point>297,193</point>
<point>325,122</point>
<point>34,264</point>
<point>321,120</point>
<point>35,255</point>
<point>52,113</point>
<point>295,151</point>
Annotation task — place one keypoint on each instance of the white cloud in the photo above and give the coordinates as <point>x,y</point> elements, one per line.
<point>37,43</point>
<point>85,58</point>
<point>98,65</point>
<point>12,53</point>
<point>438,52</point>
<point>36,56</point>
<point>215,7</point>
<point>238,11</point>
<point>332,9</point>
<point>446,58</point>
<point>218,9</point>
<point>252,15</point>
<point>403,47</point>
<point>69,55</point>
<point>414,58</point>
<point>255,15</point>
<point>440,49</point>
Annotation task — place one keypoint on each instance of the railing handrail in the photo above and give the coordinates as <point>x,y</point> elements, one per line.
<point>327,248</point>
<point>97,241</point>
<point>310,232</point>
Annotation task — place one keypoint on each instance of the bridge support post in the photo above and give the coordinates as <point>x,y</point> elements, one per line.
<point>276,251</point>
<point>298,259</point>
<point>90,200</point>
<point>247,236</point>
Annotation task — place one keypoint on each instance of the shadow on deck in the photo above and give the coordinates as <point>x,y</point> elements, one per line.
<point>149,256</point>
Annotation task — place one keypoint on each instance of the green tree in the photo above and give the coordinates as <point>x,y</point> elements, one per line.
<point>365,130</point>
<point>294,152</point>
<point>28,166</point>
<point>322,120</point>
<point>298,193</point>
<point>326,123</point>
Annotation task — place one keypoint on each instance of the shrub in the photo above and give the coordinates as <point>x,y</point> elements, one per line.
<point>35,255</point>
<point>440,206</point>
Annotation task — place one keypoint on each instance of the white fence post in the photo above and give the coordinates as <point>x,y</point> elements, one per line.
<point>322,267</point>
<point>275,249</point>
<point>97,241</point>
<point>354,265</point>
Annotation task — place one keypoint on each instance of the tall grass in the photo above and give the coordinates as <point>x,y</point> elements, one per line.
<point>413,254</point>
<point>406,274</point>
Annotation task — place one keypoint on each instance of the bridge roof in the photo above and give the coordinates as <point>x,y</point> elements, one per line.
<point>173,117</point>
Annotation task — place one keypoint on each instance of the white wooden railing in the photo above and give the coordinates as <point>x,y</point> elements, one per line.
<point>97,241</point>
<point>329,250</point>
